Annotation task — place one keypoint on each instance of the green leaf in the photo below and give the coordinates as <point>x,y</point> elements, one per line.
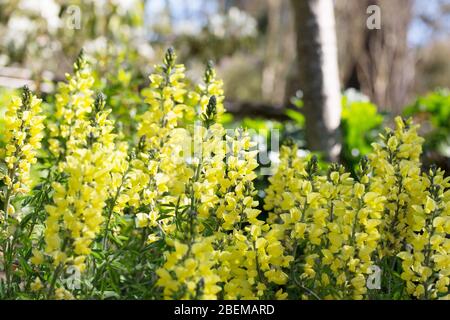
<point>298,117</point>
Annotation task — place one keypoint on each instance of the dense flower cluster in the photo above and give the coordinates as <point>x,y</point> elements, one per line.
<point>73,103</point>
<point>336,230</point>
<point>91,164</point>
<point>327,224</point>
<point>214,200</point>
<point>397,176</point>
<point>172,212</point>
<point>76,214</point>
<point>426,261</point>
<point>23,134</point>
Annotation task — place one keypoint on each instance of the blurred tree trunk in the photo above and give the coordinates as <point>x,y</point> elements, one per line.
<point>279,49</point>
<point>269,74</point>
<point>378,62</point>
<point>387,67</point>
<point>318,74</point>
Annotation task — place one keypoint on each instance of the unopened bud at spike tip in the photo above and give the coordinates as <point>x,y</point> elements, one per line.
<point>80,61</point>
<point>100,101</point>
<point>26,96</point>
<point>170,58</point>
<point>209,72</point>
<point>210,114</point>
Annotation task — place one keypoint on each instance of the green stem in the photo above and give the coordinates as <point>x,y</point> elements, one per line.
<point>55,276</point>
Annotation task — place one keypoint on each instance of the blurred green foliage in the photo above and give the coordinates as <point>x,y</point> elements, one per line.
<point>295,115</point>
<point>360,126</point>
<point>433,111</point>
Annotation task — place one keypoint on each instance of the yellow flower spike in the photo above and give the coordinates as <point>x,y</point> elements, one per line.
<point>429,255</point>
<point>73,104</point>
<point>23,134</point>
<point>90,166</point>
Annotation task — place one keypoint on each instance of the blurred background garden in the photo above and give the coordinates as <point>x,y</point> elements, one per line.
<point>273,82</point>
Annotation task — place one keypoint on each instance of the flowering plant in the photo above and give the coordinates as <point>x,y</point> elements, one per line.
<point>173,213</point>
